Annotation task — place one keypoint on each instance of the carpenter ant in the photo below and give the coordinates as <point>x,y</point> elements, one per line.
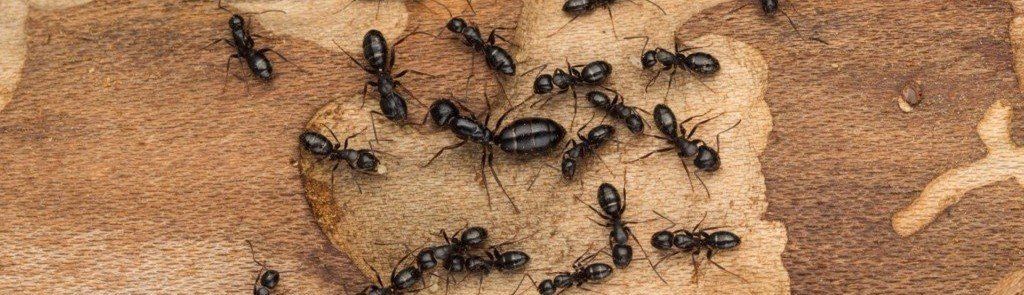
<point>575,153</point>
<point>267,279</point>
<point>617,108</point>
<point>694,242</point>
<point>525,136</point>
<point>362,160</point>
<point>582,272</point>
<point>380,63</point>
<point>401,281</point>
<point>701,64</point>
<point>770,7</point>
<point>458,243</point>
<point>497,58</point>
<point>594,73</point>
<point>612,208</point>
<point>245,48</point>
<point>495,259</point>
<point>705,158</point>
<point>577,8</point>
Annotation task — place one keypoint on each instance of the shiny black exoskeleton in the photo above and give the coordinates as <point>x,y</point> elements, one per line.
<point>458,243</point>
<point>587,145</point>
<point>694,242</point>
<point>613,206</point>
<point>361,160</point>
<point>524,136</point>
<point>592,74</point>
<point>699,63</point>
<point>577,8</point>
<point>267,278</point>
<point>245,48</point>
<point>380,61</point>
<point>705,158</point>
<point>401,281</point>
<point>583,272</point>
<point>497,58</point>
<point>616,107</point>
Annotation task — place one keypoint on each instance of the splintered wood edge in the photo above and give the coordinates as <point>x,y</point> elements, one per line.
<point>12,47</point>
<point>1012,284</point>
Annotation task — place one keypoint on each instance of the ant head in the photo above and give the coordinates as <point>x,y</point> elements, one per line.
<point>260,290</point>
<point>769,6</point>
<point>456,25</point>
<point>443,111</point>
<point>543,84</point>
<point>601,134</point>
<point>598,98</point>
<point>473,236</point>
<point>622,255</point>
<point>707,159</point>
<point>662,240</point>
<point>236,22</point>
<point>568,168</point>
<point>270,278</point>
<point>547,287</point>
<point>649,59</point>
<point>367,162</point>
<point>316,143</point>
<point>406,278</point>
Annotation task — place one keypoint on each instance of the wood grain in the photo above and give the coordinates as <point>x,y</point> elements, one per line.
<point>131,165</point>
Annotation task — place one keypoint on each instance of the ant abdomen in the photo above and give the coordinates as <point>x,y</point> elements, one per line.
<point>702,63</point>
<point>723,240</point>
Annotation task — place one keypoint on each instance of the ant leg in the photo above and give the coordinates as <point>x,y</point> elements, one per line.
<point>723,269</point>
<point>651,82</point>
<point>612,18</point>
<point>717,141</point>
<point>646,39</point>
<point>215,41</point>
<point>540,67</point>
<point>365,86</point>
<point>599,213</point>
<point>666,219</point>
<point>490,39</point>
<point>353,59</point>
<point>695,227</point>
<point>655,266</point>
<point>483,177</point>
<point>227,70</point>
<point>373,125</point>
<point>703,185</point>
<point>454,146</point>
<point>402,73</point>
<point>563,26</point>
<point>490,164</point>
<point>265,50</point>
<point>688,179</point>
<point>653,152</point>
<point>413,96</point>
<point>694,128</point>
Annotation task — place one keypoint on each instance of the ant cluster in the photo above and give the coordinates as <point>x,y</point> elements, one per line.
<point>465,253</point>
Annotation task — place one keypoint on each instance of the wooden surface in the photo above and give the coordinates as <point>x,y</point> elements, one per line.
<point>131,166</point>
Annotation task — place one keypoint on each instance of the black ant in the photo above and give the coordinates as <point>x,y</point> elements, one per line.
<point>577,8</point>
<point>701,64</point>
<point>458,243</point>
<point>245,48</point>
<point>583,272</point>
<point>616,107</point>
<point>594,73</point>
<point>361,160</point>
<point>528,136</point>
<point>705,158</point>
<point>612,207</point>
<point>694,242</point>
<point>494,260</point>
<point>380,64</point>
<point>770,8</point>
<point>402,281</point>
<point>588,144</point>
<point>267,278</point>
<point>497,58</point>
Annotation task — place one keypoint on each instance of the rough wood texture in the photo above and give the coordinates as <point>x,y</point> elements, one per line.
<point>128,170</point>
